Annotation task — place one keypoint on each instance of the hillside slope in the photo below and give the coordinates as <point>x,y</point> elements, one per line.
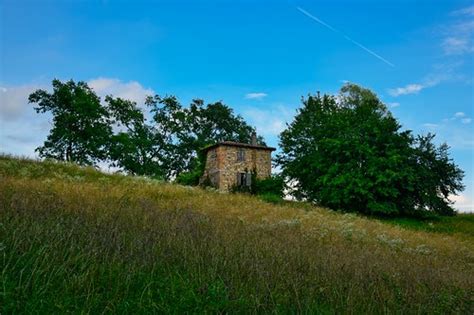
<point>74,239</point>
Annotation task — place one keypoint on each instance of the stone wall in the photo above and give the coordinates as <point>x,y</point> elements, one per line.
<point>212,167</point>
<point>222,164</point>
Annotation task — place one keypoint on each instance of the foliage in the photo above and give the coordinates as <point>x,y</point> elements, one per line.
<point>190,178</point>
<point>118,131</point>
<point>437,177</point>
<point>80,131</point>
<point>272,185</point>
<point>240,189</point>
<point>74,240</point>
<point>188,130</point>
<point>349,153</point>
<point>134,147</point>
<point>270,188</point>
<point>171,129</point>
<point>194,176</point>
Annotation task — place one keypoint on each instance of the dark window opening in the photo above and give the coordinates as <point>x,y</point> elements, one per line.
<point>244,179</point>
<point>240,155</point>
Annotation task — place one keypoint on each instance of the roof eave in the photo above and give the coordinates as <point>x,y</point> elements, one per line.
<point>242,145</point>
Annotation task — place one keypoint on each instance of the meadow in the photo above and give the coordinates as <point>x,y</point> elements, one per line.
<point>77,240</point>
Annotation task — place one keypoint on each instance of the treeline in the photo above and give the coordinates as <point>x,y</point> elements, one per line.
<point>163,141</point>
<point>344,151</point>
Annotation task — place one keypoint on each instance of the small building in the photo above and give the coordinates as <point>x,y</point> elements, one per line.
<point>230,164</point>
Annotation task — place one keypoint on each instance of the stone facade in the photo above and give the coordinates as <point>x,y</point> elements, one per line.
<point>230,163</point>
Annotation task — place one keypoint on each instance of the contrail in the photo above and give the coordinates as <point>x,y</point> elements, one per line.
<point>344,35</point>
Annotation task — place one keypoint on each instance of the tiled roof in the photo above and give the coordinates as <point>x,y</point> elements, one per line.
<point>238,144</point>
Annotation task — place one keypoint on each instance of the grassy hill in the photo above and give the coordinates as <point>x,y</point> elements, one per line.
<point>76,240</point>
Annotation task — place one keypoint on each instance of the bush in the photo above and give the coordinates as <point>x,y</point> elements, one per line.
<point>189,178</point>
<point>272,185</point>
<point>270,189</point>
<point>241,189</point>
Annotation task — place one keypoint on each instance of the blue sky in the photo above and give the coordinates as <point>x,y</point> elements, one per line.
<point>257,57</point>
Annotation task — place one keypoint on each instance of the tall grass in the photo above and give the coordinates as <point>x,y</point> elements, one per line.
<point>76,240</point>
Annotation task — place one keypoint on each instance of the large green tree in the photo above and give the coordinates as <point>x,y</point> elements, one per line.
<point>186,130</point>
<point>80,131</point>
<point>133,147</point>
<point>348,152</point>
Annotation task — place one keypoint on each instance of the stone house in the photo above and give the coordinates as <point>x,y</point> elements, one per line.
<point>230,164</point>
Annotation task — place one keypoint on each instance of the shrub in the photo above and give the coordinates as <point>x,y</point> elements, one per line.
<point>241,189</point>
<point>272,185</point>
<point>189,178</point>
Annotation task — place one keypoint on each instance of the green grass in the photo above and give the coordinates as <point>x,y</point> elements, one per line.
<point>74,240</point>
<point>462,224</point>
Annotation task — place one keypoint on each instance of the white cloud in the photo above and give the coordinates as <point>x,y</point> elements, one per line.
<point>439,74</point>
<point>255,96</point>
<point>131,90</point>
<point>462,202</point>
<point>464,27</point>
<point>458,34</point>
<point>393,105</point>
<point>22,129</point>
<point>408,89</point>
<point>269,122</point>
<point>464,11</point>
<point>456,46</point>
<point>459,116</point>
<point>14,101</point>
<point>454,131</point>
<point>266,122</point>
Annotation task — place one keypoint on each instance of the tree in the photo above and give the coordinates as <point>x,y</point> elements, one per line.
<point>437,175</point>
<point>187,130</point>
<point>215,122</point>
<point>134,147</point>
<point>87,132</point>
<point>81,130</point>
<point>348,152</point>
<point>170,123</point>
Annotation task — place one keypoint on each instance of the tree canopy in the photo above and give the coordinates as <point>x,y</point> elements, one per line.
<point>348,152</point>
<point>163,141</point>
<point>345,152</point>
<point>133,147</point>
<point>80,131</point>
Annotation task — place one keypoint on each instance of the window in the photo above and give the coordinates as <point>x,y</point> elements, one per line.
<point>240,155</point>
<point>244,179</point>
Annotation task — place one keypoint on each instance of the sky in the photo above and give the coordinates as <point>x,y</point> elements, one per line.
<point>259,58</point>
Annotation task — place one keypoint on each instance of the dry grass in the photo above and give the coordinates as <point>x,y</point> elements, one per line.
<point>76,240</point>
